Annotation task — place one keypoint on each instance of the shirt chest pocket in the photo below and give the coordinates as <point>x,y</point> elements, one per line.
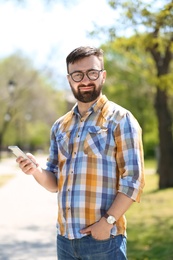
<point>63,144</point>
<point>95,142</point>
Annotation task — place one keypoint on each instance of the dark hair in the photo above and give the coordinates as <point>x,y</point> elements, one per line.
<point>82,52</point>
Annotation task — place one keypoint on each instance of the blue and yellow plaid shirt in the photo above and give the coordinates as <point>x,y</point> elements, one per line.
<point>94,157</point>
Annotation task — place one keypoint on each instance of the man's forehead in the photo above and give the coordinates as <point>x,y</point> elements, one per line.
<point>85,63</point>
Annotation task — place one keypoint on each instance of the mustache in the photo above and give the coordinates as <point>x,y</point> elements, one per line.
<point>88,85</point>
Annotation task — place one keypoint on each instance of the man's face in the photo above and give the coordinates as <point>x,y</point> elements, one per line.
<point>87,90</point>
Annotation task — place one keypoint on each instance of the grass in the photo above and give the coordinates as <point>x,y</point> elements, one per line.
<point>150,163</point>
<point>150,224</point>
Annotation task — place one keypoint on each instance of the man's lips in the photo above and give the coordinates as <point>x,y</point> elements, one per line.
<point>86,88</point>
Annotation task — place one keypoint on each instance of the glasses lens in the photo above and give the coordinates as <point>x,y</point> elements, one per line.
<point>93,74</point>
<point>77,76</point>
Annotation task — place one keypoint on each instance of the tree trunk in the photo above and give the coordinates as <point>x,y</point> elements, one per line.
<point>166,139</point>
<point>164,116</point>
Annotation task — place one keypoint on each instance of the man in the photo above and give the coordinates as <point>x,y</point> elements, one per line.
<point>95,165</point>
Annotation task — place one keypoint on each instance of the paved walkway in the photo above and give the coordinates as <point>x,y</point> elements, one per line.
<point>27,217</point>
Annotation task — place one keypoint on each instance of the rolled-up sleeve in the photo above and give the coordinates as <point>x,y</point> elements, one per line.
<point>129,157</point>
<point>52,162</point>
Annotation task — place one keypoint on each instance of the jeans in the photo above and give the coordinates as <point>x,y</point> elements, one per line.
<point>88,248</point>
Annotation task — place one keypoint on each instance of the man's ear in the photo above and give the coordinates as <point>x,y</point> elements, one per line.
<point>104,76</point>
<point>68,77</point>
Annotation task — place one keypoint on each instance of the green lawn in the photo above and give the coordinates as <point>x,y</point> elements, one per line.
<point>150,224</point>
<point>150,163</point>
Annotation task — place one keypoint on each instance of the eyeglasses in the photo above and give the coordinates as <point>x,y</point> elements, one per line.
<point>78,75</point>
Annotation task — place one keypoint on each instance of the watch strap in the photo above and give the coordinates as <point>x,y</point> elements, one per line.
<point>106,215</point>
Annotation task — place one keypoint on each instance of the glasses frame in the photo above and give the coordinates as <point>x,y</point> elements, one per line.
<point>85,73</point>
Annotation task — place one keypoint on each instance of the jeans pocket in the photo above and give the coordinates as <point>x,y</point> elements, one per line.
<point>102,240</point>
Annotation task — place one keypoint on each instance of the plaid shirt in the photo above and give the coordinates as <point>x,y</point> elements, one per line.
<point>94,157</point>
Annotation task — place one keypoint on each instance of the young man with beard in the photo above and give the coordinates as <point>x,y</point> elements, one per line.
<point>95,165</point>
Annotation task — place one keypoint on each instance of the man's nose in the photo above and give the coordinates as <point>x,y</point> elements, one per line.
<point>85,78</point>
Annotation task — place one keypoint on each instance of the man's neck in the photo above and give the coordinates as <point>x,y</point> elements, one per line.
<point>84,107</point>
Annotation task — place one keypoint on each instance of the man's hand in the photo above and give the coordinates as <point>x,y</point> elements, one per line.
<point>99,230</point>
<point>26,165</point>
<point>45,178</point>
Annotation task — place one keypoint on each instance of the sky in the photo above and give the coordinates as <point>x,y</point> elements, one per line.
<point>47,35</point>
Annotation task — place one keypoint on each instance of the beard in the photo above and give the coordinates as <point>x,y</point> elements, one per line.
<point>87,96</point>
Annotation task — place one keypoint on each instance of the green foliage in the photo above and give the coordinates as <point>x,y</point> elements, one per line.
<point>148,13</point>
<point>150,225</point>
<point>151,24</point>
<point>29,111</point>
<point>129,83</point>
<point>39,135</point>
<point>165,82</point>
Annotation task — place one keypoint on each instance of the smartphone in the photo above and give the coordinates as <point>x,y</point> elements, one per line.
<point>18,152</point>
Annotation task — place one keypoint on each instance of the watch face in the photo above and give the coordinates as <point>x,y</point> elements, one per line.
<point>111,220</point>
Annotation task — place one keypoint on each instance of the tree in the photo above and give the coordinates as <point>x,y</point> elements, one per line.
<point>129,84</point>
<point>154,22</point>
<point>28,102</point>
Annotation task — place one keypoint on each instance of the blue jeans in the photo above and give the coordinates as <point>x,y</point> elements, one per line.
<point>88,248</point>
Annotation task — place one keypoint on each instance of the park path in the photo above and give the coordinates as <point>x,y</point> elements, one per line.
<point>27,216</point>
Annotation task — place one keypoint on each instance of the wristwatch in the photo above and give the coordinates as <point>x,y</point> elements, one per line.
<point>110,219</point>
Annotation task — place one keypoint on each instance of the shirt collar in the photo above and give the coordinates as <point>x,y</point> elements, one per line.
<point>98,105</point>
